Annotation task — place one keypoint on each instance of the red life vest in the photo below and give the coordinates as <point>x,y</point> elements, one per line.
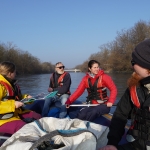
<point>10,92</point>
<point>10,95</point>
<point>96,91</point>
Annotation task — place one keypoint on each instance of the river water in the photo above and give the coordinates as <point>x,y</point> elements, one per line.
<point>36,84</point>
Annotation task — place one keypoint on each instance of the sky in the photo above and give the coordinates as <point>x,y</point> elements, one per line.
<point>67,30</point>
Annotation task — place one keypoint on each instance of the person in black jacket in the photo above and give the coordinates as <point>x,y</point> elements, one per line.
<point>59,81</point>
<point>134,104</point>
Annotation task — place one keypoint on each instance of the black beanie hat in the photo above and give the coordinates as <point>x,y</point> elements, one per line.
<point>141,54</point>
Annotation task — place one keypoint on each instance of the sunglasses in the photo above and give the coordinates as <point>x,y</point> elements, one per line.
<point>132,62</point>
<point>61,67</point>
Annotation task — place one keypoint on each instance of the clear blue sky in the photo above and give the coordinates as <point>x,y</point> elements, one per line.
<point>67,30</point>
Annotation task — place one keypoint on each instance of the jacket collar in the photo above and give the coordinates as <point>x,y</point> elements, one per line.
<point>94,76</point>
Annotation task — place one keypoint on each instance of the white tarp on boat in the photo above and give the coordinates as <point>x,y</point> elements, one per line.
<point>30,133</point>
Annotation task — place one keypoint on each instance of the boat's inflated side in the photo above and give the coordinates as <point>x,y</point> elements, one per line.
<point>102,120</point>
<point>73,133</point>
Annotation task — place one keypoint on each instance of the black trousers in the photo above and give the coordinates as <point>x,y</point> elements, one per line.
<point>89,113</point>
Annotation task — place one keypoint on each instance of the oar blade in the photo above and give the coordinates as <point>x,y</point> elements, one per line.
<point>25,101</point>
<point>52,94</point>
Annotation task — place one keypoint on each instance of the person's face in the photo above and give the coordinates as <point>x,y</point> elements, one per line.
<point>60,68</point>
<point>142,72</point>
<point>94,69</point>
<point>12,75</point>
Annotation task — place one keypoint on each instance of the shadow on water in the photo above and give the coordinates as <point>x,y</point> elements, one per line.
<point>36,84</point>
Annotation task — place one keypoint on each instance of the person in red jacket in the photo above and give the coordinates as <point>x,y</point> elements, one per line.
<point>96,82</point>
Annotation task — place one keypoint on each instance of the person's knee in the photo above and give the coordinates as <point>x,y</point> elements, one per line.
<point>64,98</point>
<point>63,114</point>
<point>103,110</point>
<point>63,101</point>
<point>48,101</point>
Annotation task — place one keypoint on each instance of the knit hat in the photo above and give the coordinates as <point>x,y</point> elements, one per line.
<point>141,54</point>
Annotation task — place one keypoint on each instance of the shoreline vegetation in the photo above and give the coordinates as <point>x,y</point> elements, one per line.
<point>114,56</point>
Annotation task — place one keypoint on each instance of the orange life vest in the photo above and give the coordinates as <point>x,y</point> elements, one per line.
<point>134,97</point>
<point>59,82</point>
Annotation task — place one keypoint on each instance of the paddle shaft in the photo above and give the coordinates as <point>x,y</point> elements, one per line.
<point>88,105</point>
<point>52,94</point>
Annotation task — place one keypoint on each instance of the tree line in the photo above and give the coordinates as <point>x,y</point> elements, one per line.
<point>115,56</point>
<point>24,61</point>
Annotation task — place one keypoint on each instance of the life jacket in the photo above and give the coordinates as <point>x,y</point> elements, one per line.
<point>10,95</point>
<point>140,117</point>
<point>96,91</point>
<point>59,82</point>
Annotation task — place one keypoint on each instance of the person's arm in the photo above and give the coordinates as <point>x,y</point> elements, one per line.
<point>78,92</point>
<point>8,105</point>
<point>119,119</point>
<point>109,83</point>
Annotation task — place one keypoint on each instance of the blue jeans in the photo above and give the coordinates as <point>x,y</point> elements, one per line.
<point>57,102</point>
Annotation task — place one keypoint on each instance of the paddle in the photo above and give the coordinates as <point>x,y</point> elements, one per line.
<point>26,100</point>
<point>88,105</point>
<point>76,105</point>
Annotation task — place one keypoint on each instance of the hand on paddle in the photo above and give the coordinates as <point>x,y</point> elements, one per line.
<point>109,104</point>
<point>68,103</point>
<point>67,106</point>
<point>108,147</point>
<point>29,96</point>
<point>18,104</point>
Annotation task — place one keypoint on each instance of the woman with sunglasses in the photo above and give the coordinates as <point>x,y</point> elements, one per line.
<point>59,81</point>
<point>134,104</point>
<point>96,82</point>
